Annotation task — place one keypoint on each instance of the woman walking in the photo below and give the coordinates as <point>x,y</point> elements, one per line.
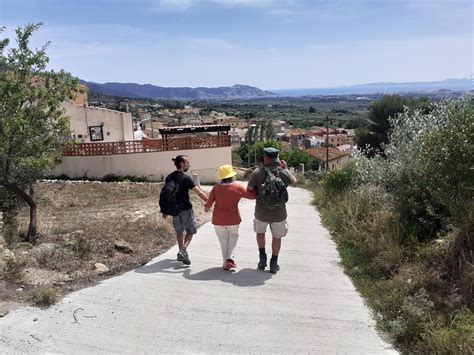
<point>226,217</point>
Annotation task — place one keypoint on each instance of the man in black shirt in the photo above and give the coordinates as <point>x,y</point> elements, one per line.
<point>184,223</point>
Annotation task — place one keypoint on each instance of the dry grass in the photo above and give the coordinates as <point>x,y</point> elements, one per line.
<point>83,220</point>
<point>44,296</point>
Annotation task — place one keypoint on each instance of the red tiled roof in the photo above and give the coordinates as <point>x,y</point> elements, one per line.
<point>320,153</point>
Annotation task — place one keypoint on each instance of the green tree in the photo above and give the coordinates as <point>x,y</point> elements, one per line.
<point>255,132</point>
<point>295,157</point>
<point>32,123</point>
<point>263,128</point>
<point>270,131</point>
<point>256,150</point>
<point>382,111</point>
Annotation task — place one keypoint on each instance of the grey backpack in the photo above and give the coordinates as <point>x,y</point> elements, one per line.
<point>272,193</point>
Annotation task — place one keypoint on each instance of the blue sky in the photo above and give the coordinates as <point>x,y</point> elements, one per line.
<point>271,44</point>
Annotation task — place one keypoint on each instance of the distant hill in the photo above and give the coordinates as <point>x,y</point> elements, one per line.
<point>149,91</point>
<point>458,85</point>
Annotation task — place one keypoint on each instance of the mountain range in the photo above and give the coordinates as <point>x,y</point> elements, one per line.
<point>458,85</point>
<point>133,90</point>
<point>149,91</point>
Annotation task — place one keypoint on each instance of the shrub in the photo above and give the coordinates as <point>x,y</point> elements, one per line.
<point>83,247</point>
<point>44,296</point>
<point>404,224</point>
<point>339,180</point>
<point>456,338</point>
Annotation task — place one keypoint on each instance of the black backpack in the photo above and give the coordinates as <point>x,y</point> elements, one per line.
<point>169,198</point>
<point>272,193</point>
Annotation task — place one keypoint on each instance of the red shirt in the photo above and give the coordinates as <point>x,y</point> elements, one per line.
<point>227,197</point>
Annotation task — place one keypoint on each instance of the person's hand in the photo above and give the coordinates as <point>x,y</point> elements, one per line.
<point>164,215</point>
<point>283,164</point>
<point>206,209</point>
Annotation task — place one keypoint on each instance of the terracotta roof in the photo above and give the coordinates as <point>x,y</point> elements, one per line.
<point>320,153</point>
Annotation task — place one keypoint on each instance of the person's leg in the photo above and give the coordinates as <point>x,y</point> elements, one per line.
<point>279,230</point>
<point>180,240</point>
<point>276,245</point>
<point>221,235</point>
<point>261,240</point>
<point>260,228</point>
<point>233,238</point>
<point>187,241</point>
<point>189,224</point>
<point>179,228</point>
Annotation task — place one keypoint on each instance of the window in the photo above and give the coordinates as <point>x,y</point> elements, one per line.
<point>96,133</point>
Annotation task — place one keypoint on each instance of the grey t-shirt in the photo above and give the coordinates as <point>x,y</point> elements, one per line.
<point>256,179</point>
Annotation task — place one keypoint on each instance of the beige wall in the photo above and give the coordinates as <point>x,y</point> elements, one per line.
<point>152,165</point>
<point>81,97</point>
<point>338,162</point>
<point>117,126</point>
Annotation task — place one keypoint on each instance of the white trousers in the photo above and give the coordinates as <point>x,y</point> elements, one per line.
<point>228,236</point>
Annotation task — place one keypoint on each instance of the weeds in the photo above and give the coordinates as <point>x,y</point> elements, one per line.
<point>404,227</point>
<point>83,247</point>
<point>44,296</point>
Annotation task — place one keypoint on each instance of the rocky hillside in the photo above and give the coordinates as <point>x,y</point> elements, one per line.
<point>133,90</point>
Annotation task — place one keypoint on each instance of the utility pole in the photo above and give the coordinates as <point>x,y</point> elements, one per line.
<point>248,139</point>
<point>152,132</point>
<point>327,143</point>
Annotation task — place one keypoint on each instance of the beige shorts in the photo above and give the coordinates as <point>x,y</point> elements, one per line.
<point>278,229</point>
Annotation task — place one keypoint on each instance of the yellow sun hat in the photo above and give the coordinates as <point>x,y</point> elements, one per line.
<point>226,171</point>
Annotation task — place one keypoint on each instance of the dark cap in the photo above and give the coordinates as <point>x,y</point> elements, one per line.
<point>272,153</point>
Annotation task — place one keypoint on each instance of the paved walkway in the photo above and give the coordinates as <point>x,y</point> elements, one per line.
<point>310,306</point>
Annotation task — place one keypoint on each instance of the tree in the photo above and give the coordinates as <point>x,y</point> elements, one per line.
<point>255,132</point>
<point>382,111</point>
<point>32,123</point>
<point>263,127</point>
<point>295,157</point>
<point>270,131</point>
<point>312,109</point>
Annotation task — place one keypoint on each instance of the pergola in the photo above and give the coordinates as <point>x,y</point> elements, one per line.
<point>220,129</point>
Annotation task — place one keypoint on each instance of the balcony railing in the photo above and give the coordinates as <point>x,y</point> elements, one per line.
<point>148,145</point>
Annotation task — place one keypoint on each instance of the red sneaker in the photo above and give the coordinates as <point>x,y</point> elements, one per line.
<point>229,265</point>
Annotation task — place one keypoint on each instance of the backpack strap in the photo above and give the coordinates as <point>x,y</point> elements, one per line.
<point>271,171</point>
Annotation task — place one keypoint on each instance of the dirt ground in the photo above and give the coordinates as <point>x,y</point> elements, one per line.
<point>82,224</point>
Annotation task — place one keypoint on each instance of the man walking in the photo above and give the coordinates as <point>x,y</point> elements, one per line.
<point>270,183</point>
<point>183,214</point>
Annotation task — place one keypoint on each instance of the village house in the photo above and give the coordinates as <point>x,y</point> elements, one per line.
<point>335,140</point>
<point>346,148</point>
<point>233,121</point>
<point>337,158</point>
<point>105,145</point>
<point>313,142</point>
<point>94,124</point>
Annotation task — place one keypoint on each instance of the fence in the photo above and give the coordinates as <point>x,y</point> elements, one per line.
<point>148,145</point>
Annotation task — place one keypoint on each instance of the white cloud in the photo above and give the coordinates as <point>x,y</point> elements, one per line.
<point>179,5</point>
<point>183,5</point>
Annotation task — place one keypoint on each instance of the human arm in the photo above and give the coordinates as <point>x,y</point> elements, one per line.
<point>200,193</point>
<point>289,178</point>
<point>210,201</point>
<point>250,194</point>
<point>252,184</point>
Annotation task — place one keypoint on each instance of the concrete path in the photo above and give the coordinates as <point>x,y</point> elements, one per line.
<point>310,306</point>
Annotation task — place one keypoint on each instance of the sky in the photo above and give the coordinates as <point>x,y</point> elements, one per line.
<point>270,44</point>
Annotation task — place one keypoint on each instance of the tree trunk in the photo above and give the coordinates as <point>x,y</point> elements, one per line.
<point>28,198</point>
<point>32,228</point>
<point>10,226</point>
